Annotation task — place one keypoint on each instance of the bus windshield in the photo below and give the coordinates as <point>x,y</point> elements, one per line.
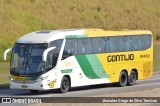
<point>27,59</point>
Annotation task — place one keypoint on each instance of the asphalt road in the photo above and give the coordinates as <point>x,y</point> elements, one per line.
<point>86,91</point>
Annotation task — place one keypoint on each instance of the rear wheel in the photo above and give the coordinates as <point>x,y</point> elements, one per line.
<point>64,85</point>
<point>132,78</point>
<point>123,79</point>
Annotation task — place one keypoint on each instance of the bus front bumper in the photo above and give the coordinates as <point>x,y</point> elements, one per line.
<point>31,86</point>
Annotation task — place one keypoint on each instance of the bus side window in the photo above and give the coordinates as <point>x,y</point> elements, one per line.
<point>84,46</point>
<point>112,44</point>
<point>121,44</point>
<point>70,48</point>
<point>98,45</point>
<point>136,43</point>
<point>126,43</point>
<point>146,41</point>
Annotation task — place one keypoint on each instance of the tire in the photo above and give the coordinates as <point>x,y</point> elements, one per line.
<point>34,91</point>
<point>132,78</point>
<point>64,85</point>
<point>123,79</point>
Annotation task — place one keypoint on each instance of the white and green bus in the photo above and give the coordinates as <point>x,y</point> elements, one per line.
<point>61,59</point>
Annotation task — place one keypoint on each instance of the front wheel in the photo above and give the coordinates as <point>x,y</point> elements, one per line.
<point>64,85</point>
<point>122,79</point>
<point>132,78</point>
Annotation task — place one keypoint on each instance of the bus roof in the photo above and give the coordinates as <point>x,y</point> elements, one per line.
<point>46,36</point>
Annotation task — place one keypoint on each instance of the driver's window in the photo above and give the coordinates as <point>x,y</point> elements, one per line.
<point>51,59</point>
<point>52,56</point>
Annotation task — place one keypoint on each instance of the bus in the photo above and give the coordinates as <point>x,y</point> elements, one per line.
<point>61,59</point>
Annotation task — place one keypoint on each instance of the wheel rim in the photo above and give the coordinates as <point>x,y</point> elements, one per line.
<point>132,77</point>
<point>65,85</point>
<point>123,79</point>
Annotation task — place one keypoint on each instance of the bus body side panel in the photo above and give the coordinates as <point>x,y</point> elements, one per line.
<point>75,72</point>
<point>143,60</point>
<point>114,63</point>
<point>95,68</point>
<point>82,71</point>
<point>101,68</point>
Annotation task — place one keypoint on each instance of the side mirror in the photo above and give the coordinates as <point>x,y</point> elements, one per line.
<point>5,54</point>
<point>44,56</point>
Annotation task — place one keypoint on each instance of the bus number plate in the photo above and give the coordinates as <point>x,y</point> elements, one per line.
<point>24,86</point>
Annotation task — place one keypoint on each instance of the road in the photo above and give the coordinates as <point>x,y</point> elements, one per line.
<point>86,91</point>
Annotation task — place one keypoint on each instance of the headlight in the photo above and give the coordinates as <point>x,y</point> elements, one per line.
<point>10,77</point>
<point>41,78</point>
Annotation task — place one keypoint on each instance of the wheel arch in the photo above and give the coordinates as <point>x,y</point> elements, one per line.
<point>125,70</point>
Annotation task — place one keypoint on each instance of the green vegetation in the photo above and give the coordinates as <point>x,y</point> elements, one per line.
<point>18,17</point>
<point>4,73</point>
<point>156,64</point>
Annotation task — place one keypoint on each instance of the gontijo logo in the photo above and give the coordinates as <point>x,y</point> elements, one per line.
<point>123,57</point>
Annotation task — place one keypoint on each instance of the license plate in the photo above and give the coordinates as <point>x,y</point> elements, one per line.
<point>24,86</point>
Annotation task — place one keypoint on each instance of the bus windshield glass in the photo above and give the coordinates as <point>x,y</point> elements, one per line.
<point>27,59</point>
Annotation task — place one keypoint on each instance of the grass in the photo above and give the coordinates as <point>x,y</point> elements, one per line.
<point>4,74</point>
<point>19,17</point>
<point>156,53</point>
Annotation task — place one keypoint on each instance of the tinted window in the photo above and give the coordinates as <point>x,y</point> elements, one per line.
<point>136,42</point>
<point>146,41</point>
<point>70,48</point>
<point>121,44</point>
<point>84,46</point>
<point>124,43</point>
<point>52,56</point>
<point>27,58</point>
<point>98,45</point>
<point>111,44</point>
<point>106,44</point>
<point>57,44</point>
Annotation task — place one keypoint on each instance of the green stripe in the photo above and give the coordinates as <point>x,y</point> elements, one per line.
<point>76,36</point>
<point>66,71</point>
<point>97,66</point>
<point>86,67</point>
<point>91,66</point>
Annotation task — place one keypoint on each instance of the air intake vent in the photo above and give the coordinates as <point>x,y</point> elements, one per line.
<point>44,31</point>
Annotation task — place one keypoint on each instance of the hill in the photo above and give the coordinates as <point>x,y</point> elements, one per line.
<point>19,17</point>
